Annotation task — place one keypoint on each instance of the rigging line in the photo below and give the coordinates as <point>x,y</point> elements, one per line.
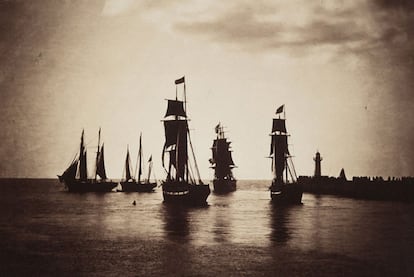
<point>191,177</point>
<point>195,161</point>
<point>74,157</point>
<point>293,167</point>
<point>294,177</point>
<point>288,167</point>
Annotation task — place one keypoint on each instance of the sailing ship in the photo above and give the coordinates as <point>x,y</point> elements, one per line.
<point>76,178</point>
<point>130,183</point>
<point>222,163</point>
<point>180,185</point>
<point>284,190</point>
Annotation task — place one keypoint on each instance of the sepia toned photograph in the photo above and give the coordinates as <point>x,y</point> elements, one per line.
<point>206,138</point>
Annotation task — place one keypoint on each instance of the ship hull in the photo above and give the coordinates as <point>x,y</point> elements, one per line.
<point>185,193</point>
<point>289,194</point>
<point>89,186</point>
<point>137,187</point>
<point>224,185</point>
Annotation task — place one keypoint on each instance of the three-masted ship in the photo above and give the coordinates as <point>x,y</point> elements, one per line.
<point>222,163</point>
<point>76,178</point>
<point>180,185</point>
<point>130,183</point>
<point>284,189</point>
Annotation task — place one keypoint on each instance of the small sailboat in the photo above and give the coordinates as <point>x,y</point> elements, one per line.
<point>180,185</point>
<point>130,184</point>
<point>76,178</point>
<point>222,163</point>
<point>284,189</point>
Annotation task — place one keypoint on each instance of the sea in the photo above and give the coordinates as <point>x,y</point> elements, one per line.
<point>46,231</point>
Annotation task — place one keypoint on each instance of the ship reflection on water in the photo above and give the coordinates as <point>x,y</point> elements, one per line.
<point>280,232</point>
<point>241,233</point>
<point>176,225</point>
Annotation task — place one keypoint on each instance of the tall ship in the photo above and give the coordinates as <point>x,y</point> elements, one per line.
<point>75,177</point>
<point>222,163</point>
<point>284,188</point>
<point>130,183</point>
<point>180,185</point>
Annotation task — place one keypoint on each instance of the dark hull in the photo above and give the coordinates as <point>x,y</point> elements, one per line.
<point>185,193</point>
<point>137,187</point>
<point>89,186</point>
<point>224,185</point>
<point>361,187</point>
<point>289,194</point>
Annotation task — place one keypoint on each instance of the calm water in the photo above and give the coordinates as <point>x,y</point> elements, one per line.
<point>47,231</point>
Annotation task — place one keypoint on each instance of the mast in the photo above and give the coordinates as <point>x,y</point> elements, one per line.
<point>100,170</point>
<point>83,171</point>
<point>176,137</point>
<point>127,166</point>
<point>279,147</point>
<point>97,153</point>
<point>140,159</point>
<point>222,160</point>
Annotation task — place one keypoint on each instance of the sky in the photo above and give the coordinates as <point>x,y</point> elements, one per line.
<point>343,69</point>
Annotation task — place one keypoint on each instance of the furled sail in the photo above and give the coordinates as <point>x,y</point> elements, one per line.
<point>100,167</point>
<point>175,108</point>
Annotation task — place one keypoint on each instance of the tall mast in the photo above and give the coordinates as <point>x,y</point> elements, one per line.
<point>97,153</point>
<point>274,157</point>
<point>185,111</point>
<point>127,166</point>
<point>140,158</point>
<point>285,155</point>
<point>83,169</point>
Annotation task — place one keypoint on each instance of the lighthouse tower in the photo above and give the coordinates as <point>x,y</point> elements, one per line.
<point>317,160</point>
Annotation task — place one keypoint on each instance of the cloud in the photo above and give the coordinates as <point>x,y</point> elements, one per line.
<point>116,7</point>
<point>353,26</point>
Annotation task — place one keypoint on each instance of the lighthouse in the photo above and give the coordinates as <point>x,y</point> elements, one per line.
<point>317,160</point>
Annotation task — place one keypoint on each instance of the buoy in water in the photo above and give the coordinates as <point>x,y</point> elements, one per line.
<point>134,203</point>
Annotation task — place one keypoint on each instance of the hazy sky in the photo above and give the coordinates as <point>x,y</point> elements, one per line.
<point>343,69</point>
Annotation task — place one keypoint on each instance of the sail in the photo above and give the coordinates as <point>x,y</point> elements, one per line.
<point>279,125</point>
<point>176,134</point>
<point>280,152</point>
<point>100,167</point>
<point>70,172</point>
<point>175,108</point>
<point>229,159</point>
<point>181,153</point>
<point>222,159</point>
<point>140,159</point>
<point>149,168</point>
<point>214,151</point>
<point>172,129</point>
<point>83,172</point>
<point>127,167</point>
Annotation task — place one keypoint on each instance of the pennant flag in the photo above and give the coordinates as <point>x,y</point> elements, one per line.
<point>180,81</point>
<point>280,109</point>
<point>150,159</point>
